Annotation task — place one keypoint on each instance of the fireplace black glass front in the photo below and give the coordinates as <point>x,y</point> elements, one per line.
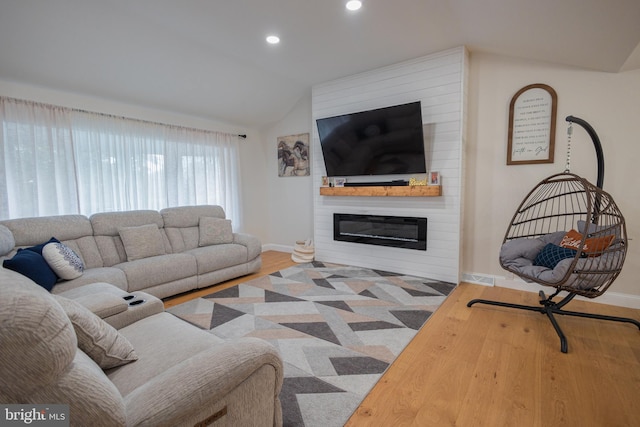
<point>396,231</point>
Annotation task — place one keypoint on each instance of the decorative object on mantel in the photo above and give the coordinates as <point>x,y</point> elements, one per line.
<point>303,251</point>
<point>532,125</point>
<point>434,178</point>
<point>415,181</point>
<point>339,182</point>
<point>384,191</point>
<point>293,155</point>
<point>325,181</point>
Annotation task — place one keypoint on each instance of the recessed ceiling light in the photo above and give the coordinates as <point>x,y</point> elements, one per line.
<point>273,39</point>
<point>354,4</point>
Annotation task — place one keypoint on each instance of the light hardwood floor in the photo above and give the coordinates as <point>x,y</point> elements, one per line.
<point>493,366</point>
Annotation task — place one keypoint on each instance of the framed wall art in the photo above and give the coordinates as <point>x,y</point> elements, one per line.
<point>532,125</point>
<point>293,155</point>
<point>434,178</point>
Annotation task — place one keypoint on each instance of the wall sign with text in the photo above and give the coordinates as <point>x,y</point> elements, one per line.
<point>532,125</point>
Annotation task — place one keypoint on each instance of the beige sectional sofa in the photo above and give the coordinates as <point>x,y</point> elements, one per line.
<point>162,253</point>
<point>140,366</point>
<point>102,342</point>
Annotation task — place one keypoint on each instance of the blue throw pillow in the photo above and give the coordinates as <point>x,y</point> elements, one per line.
<point>552,254</point>
<point>38,248</point>
<point>32,265</point>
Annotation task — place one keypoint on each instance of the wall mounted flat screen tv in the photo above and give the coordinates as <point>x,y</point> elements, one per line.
<point>384,141</point>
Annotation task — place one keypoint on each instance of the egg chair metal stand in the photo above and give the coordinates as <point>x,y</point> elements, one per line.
<point>560,203</point>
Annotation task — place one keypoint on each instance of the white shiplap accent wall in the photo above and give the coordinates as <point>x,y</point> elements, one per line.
<point>439,82</point>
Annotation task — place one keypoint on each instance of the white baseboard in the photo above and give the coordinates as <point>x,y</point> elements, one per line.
<point>479,279</point>
<point>610,298</point>
<point>277,248</point>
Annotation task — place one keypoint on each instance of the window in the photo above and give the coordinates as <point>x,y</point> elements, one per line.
<point>61,161</point>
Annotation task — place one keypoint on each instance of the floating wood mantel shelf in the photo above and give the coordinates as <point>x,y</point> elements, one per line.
<point>386,191</point>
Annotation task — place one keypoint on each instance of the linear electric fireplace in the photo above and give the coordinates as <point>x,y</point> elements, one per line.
<point>396,231</point>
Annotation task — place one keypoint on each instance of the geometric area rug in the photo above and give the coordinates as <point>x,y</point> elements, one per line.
<point>337,328</point>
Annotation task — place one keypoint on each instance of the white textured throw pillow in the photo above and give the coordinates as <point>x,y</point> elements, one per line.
<point>63,260</point>
<point>101,341</point>
<point>214,231</point>
<point>142,242</point>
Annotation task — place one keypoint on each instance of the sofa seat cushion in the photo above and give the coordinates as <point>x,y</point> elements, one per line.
<point>240,378</point>
<point>199,370</point>
<point>148,272</point>
<point>217,257</point>
<point>112,275</point>
<point>149,337</point>
<point>92,289</point>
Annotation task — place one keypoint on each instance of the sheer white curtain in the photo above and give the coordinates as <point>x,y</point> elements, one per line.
<point>58,161</point>
<point>37,161</point>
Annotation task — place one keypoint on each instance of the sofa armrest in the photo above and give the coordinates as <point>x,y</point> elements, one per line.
<point>142,305</point>
<point>103,304</point>
<point>253,244</point>
<point>197,388</point>
<point>108,302</point>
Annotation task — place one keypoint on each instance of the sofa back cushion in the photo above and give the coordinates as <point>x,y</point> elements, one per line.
<point>106,230</point>
<point>143,241</point>
<point>38,340</point>
<point>214,231</point>
<point>182,223</point>
<point>7,242</point>
<point>40,360</point>
<point>74,231</point>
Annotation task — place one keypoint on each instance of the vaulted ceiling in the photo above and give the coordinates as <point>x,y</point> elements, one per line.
<point>209,58</point>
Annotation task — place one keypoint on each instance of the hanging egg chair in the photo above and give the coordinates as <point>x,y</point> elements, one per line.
<point>568,234</point>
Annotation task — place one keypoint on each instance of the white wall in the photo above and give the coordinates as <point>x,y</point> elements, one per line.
<point>254,188</point>
<point>438,81</point>
<point>289,206</point>
<point>609,102</point>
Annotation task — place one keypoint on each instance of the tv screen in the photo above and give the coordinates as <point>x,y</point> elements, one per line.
<point>385,141</point>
